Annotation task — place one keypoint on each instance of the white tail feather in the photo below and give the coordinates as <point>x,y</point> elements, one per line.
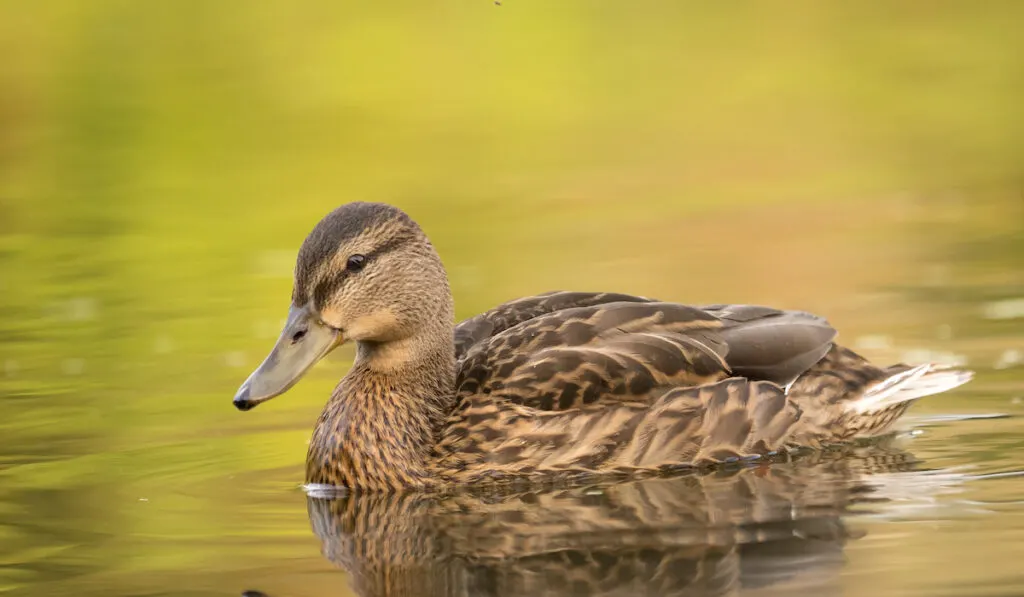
<point>914,383</point>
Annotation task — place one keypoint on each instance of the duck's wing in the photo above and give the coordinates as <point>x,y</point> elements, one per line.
<point>772,344</point>
<point>632,351</point>
<point>480,328</point>
<point>724,421</point>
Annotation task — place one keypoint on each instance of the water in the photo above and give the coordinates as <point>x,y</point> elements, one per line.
<point>126,471</point>
<point>159,166</point>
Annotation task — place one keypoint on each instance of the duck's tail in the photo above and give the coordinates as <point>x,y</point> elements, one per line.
<point>905,386</point>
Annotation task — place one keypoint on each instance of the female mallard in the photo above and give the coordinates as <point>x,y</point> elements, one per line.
<point>565,383</point>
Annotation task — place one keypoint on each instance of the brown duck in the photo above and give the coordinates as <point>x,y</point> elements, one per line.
<point>560,385</point>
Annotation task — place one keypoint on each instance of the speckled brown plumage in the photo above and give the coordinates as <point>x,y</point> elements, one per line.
<point>564,384</point>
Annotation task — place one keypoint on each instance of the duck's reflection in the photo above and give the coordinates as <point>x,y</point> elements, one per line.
<point>779,527</point>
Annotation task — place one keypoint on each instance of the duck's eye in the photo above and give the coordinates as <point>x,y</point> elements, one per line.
<point>355,263</point>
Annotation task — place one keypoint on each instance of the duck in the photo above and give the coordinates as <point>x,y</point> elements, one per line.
<point>561,385</point>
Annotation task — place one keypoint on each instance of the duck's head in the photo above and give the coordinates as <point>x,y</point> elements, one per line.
<point>366,273</point>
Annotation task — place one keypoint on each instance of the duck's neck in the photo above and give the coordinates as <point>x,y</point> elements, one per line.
<point>384,417</point>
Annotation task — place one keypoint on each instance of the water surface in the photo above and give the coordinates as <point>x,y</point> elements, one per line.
<point>160,164</point>
<point>126,471</point>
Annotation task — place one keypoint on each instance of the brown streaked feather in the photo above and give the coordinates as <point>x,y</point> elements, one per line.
<point>500,318</point>
<point>731,419</point>
<point>628,367</point>
<point>634,350</point>
<point>823,392</point>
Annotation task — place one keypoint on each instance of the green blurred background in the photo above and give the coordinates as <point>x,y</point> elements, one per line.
<point>161,162</point>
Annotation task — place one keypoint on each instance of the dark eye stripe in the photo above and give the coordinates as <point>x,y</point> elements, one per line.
<point>330,285</point>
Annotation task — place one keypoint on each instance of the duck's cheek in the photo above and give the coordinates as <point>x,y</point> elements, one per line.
<point>381,325</point>
<point>333,317</point>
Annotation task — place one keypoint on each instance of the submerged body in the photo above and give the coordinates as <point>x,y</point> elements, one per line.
<point>566,383</point>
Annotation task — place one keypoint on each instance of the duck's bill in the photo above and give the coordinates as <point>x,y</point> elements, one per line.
<point>304,341</point>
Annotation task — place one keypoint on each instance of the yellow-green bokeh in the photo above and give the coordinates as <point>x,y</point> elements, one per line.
<point>161,161</point>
